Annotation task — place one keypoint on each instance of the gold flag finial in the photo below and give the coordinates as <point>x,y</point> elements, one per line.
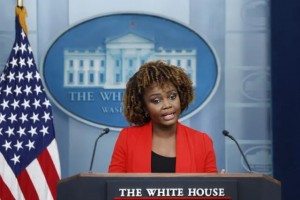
<point>22,14</point>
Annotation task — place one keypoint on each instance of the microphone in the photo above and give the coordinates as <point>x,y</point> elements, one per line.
<point>104,131</point>
<point>226,134</point>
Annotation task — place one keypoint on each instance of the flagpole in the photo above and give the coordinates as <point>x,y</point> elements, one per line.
<point>20,3</point>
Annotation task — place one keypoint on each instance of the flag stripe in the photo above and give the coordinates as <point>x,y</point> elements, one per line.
<point>53,151</point>
<point>39,180</point>
<point>27,187</point>
<point>10,180</point>
<point>49,170</point>
<point>5,193</point>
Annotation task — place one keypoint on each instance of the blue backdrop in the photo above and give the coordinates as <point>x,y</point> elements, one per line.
<point>285,58</point>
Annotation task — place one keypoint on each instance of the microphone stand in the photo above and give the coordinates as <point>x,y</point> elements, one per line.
<point>105,131</point>
<point>226,134</point>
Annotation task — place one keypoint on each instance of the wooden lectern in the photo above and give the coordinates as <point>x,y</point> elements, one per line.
<point>92,186</point>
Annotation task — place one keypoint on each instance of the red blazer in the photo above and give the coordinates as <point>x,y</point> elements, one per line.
<point>132,152</point>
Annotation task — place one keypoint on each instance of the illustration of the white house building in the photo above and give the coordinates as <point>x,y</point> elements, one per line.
<point>112,66</point>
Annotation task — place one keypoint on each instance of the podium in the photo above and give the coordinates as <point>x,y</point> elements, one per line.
<point>168,186</point>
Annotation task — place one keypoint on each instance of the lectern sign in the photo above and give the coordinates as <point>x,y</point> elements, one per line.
<point>171,190</point>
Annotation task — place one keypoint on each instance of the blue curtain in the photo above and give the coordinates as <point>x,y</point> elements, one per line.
<point>285,66</point>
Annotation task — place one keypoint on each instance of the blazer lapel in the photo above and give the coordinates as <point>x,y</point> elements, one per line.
<point>183,154</point>
<point>144,145</point>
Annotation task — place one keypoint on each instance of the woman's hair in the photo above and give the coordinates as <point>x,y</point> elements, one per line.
<point>158,72</point>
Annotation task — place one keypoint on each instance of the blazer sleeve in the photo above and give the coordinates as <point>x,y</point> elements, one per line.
<point>210,160</point>
<point>118,162</point>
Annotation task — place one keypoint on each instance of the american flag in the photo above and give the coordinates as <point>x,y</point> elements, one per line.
<point>29,160</point>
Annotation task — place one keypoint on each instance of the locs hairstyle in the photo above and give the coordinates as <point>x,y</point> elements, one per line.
<point>158,72</point>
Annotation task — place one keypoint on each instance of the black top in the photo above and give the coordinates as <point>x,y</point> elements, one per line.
<point>162,164</point>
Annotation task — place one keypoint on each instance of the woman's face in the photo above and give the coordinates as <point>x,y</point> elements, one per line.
<point>162,104</point>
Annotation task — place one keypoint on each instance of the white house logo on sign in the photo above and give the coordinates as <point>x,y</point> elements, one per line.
<point>92,62</point>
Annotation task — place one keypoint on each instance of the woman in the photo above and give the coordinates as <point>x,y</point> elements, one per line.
<point>155,97</point>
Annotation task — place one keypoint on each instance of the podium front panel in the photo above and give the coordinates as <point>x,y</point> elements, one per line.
<point>168,187</point>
